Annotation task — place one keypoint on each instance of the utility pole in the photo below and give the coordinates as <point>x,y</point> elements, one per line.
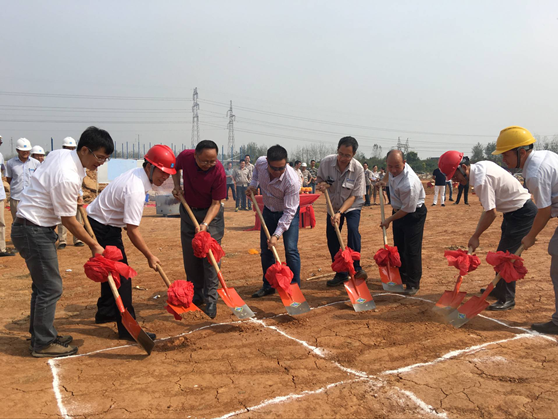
<point>12,144</point>
<point>407,147</point>
<point>195,119</point>
<point>230,126</point>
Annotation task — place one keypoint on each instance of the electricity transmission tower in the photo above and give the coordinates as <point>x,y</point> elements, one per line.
<point>195,119</point>
<point>230,126</point>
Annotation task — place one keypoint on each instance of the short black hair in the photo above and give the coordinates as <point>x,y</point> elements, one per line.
<point>365,163</point>
<point>247,155</point>
<point>348,142</point>
<point>206,144</point>
<point>297,162</point>
<point>94,139</point>
<point>395,150</point>
<point>312,161</point>
<point>229,163</point>
<point>276,153</point>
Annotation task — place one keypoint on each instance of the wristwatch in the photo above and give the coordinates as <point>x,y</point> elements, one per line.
<point>339,212</point>
<point>204,224</point>
<point>277,236</point>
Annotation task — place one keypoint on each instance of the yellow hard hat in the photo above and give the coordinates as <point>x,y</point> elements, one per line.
<point>513,137</point>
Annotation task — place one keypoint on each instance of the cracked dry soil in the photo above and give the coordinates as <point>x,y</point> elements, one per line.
<point>236,366</point>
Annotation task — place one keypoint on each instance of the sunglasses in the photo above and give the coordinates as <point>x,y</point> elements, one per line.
<point>277,169</point>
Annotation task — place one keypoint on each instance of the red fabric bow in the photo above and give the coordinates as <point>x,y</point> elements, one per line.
<point>343,260</point>
<point>389,253</point>
<point>202,243</point>
<point>279,275</point>
<point>462,261</point>
<point>180,293</point>
<point>509,266</point>
<point>98,267</point>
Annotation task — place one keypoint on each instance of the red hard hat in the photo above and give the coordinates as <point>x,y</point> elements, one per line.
<point>161,156</point>
<point>449,162</point>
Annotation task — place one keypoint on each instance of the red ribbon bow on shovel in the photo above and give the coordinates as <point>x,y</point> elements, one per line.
<point>98,267</point>
<point>180,293</point>
<point>202,243</point>
<point>389,253</point>
<point>279,275</point>
<point>343,260</point>
<point>509,266</point>
<point>462,260</point>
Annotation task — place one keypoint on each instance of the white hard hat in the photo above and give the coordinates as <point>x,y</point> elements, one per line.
<point>37,150</point>
<point>23,144</point>
<point>69,142</point>
<point>303,164</point>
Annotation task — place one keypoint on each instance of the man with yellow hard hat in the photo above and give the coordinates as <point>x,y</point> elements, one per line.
<point>540,171</point>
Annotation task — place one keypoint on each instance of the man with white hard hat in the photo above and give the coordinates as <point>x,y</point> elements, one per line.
<point>306,177</point>
<point>3,250</point>
<point>19,170</point>
<point>38,153</point>
<point>498,191</point>
<point>70,144</point>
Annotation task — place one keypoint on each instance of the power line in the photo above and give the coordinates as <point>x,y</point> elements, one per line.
<point>95,97</point>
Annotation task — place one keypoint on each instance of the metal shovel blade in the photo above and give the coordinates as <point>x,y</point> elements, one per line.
<point>391,279</point>
<point>448,301</point>
<point>295,303</point>
<point>235,303</point>
<point>137,332</point>
<point>179,310</point>
<point>359,294</point>
<point>467,311</point>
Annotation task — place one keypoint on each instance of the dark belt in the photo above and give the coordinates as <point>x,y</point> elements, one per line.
<point>25,222</point>
<point>199,209</point>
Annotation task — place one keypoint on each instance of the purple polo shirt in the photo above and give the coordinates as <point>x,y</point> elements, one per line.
<point>200,187</point>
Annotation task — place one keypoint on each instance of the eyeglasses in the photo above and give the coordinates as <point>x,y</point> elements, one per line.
<point>347,156</point>
<point>276,169</point>
<point>99,159</point>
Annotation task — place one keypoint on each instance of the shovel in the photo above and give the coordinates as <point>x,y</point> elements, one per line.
<point>475,304</point>
<point>450,300</point>
<point>391,279</point>
<point>295,303</point>
<point>229,295</point>
<point>356,288</point>
<point>86,221</point>
<point>177,309</point>
<point>129,322</point>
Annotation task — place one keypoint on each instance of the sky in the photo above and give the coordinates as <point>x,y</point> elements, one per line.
<point>442,74</point>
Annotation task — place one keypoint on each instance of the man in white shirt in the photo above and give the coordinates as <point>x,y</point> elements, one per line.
<point>70,144</point>
<point>3,251</point>
<point>375,178</point>
<point>540,171</point>
<point>250,168</point>
<point>297,165</point>
<point>18,172</point>
<point>408,217</point>
<point>305,175</point>
<point>499,191</point>
<point>50,197</point>
<point>280,191</point>
<point>120,205</point>
<point>343,176</point>
<point>368,179</point>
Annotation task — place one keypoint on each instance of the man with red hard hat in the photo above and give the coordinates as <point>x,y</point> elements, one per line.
<point>120,205</point>
<point>499,191</point>
<point>540,171</point>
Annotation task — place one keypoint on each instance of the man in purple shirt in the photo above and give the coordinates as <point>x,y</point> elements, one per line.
<point>205,186</point>
<point>280,187</point>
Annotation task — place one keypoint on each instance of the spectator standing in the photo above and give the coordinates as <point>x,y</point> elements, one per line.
<point>250,168</point>
<point>439,187</point>
<point>230,181</point>
<point>242,177</point>
<point>368,180</point>
<point>313,170</point>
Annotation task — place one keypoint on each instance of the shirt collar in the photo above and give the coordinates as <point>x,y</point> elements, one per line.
<point>79,166</point>
<point>350,167</point>
<point>527,161</point>
<point>145,179</point>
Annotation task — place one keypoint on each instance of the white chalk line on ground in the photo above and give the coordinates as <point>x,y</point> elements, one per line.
<point>426,408</point>
<point>56,388</point>
<point>318,351</point>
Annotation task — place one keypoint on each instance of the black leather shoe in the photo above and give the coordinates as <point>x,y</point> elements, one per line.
<point>198,302</point>
<point>411,291</point>
<point>549,328</point>
<point>129,337</point>
<point>211,310</point>
<point>338,279</point>
<point>62,246</point>
<point>262,292</point>
<point>501,305</point>
<point>361,275</point>
<point>102,320</point>
<point>79,244</point>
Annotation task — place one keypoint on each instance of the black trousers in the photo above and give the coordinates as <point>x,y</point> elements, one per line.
<point>200,272</point>
<point>515,226</point>
<point>106,304</point>
<point>463,189</point>
<point>407,236</point>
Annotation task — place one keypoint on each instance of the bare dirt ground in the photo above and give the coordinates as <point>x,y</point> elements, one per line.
<point>399,360</point>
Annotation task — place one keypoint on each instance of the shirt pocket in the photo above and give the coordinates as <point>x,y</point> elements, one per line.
<point>348,183</point>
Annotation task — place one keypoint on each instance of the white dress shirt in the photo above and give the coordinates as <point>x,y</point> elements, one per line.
<point>2,190</point>
<point>53,189</point>
<point>497,188</point>
<point>541,178</point>
<point>20,173</point>
<point>280,194</point>
<point>122,201</point>
<point>406,190</point>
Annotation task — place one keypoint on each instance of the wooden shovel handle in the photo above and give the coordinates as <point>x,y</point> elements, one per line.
<point>86,221</point>
<point>264,226</point>
<point>163,275</point>
<point>330,207</point>
<point>117,297</point>
<point>383,214</point>
<point>210,253</point>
